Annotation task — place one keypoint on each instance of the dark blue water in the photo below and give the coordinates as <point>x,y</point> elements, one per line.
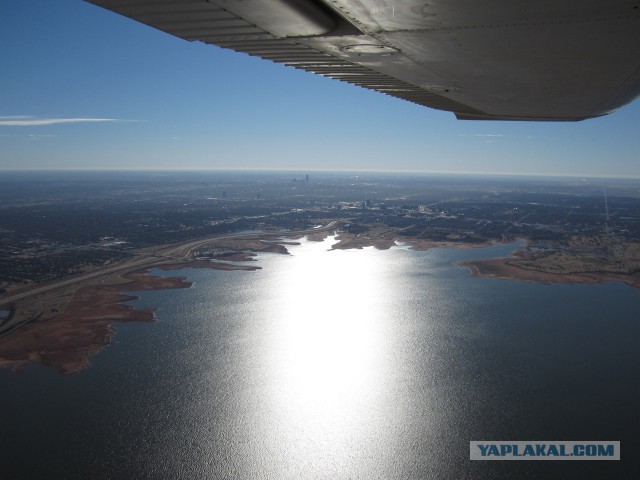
<point>339,364</point>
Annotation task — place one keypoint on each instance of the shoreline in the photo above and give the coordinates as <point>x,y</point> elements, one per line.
<point>502,269</point>
<point>83,320</point>
<point>66,341</point>
<point>90,317</point>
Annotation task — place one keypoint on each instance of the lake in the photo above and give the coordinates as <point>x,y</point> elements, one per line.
<point>360,364</point>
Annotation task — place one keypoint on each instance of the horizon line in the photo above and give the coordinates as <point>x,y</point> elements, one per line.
<point>615,176</point>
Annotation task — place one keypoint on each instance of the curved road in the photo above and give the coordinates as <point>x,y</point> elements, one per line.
<point>172,253</point>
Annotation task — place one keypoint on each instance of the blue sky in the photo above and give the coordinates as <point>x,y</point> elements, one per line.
<point>158,102</point>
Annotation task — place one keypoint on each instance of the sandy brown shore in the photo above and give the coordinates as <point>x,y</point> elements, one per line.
<point>576,268</point>
<point>66,341</point>
<point>502,268</point>
<point>62,329</point>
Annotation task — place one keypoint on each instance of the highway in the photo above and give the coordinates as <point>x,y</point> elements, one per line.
<point>162,255</point>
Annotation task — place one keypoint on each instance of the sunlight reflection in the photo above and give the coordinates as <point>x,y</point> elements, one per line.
<point>328,334</point>
<point>338,365</point>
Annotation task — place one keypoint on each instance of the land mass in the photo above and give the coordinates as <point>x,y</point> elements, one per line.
<point>71,247</point>
<point>67,340</point>
<point>581,260</point>
<point>62,327</point>
<point>80,324</point>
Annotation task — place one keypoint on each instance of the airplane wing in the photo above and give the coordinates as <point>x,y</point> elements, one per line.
<point>544,60</point>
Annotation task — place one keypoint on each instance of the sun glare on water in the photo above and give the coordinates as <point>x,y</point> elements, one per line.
<point>328,329</point>
<point>326,349</point>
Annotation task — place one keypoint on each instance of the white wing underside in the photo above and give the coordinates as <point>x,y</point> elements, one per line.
<point>545,60</point>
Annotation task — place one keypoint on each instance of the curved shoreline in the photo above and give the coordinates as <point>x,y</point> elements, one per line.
<point>82,322</point>
<point>66,341</point>
<point>502,269</point>
<point>63,328</point>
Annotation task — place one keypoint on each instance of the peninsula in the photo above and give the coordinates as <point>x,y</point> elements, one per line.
<point>64,278</point>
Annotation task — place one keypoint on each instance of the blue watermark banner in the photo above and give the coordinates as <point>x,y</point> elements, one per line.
<point>544,450</point>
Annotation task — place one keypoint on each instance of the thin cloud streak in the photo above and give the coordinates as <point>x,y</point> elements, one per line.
<point>37,122</point>
<point>40,137</point>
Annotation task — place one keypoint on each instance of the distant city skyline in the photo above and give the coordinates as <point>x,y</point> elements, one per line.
<point>86,89</point>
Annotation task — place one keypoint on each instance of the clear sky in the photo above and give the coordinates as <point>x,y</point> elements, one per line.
<point>126,96</point>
